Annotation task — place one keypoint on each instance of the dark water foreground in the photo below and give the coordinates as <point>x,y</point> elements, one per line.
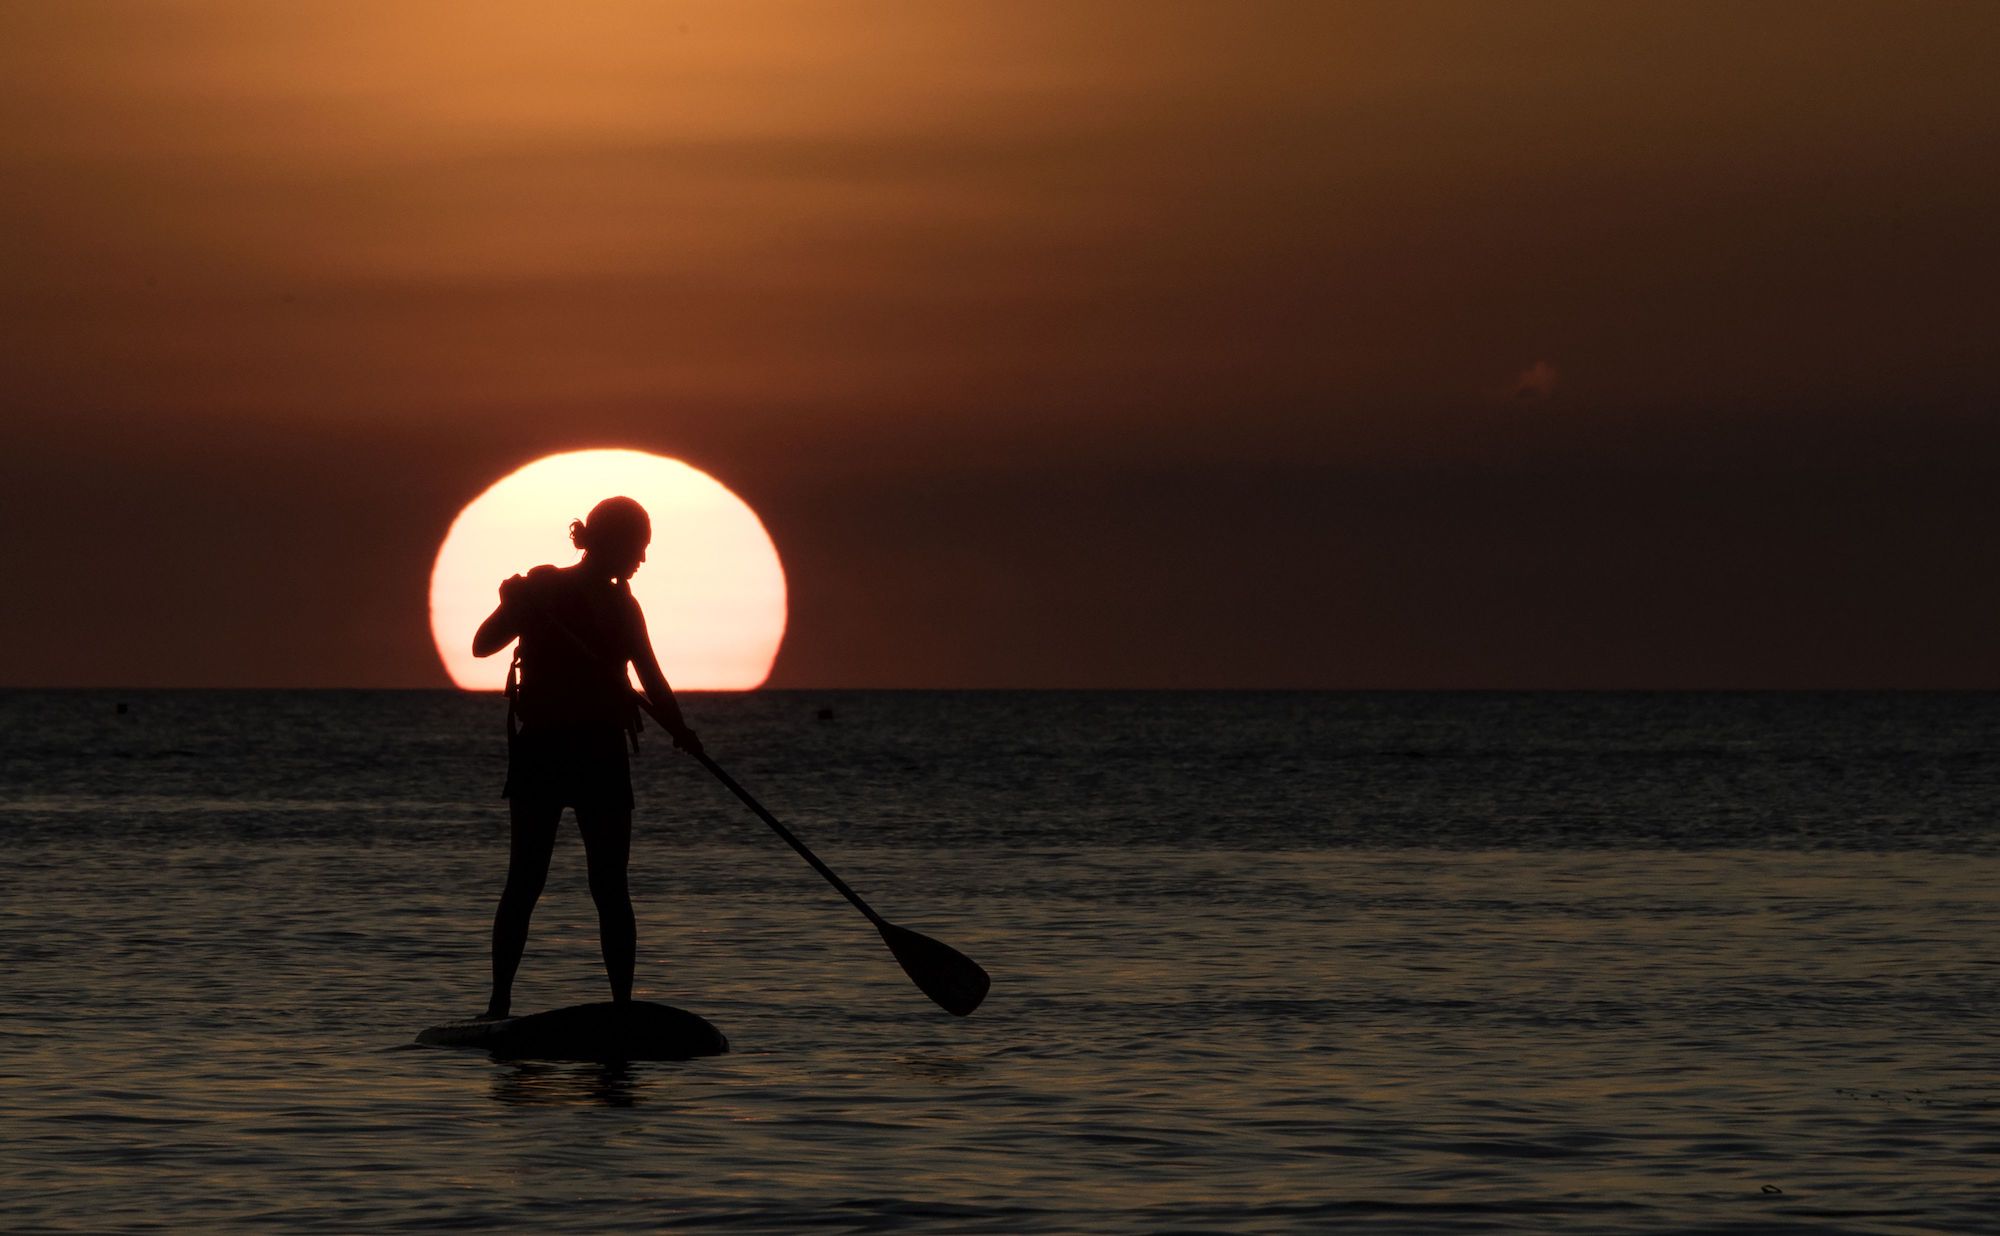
<point>1262,962</point>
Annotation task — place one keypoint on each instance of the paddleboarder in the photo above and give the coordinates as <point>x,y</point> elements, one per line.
<point>571,715</point>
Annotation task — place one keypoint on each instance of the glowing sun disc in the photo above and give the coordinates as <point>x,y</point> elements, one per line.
<point>712,588</point>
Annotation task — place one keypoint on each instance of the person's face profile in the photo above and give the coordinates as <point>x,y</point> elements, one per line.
<point>625,561</point>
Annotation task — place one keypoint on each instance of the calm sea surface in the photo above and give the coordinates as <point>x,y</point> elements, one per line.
<point>1262,962</point>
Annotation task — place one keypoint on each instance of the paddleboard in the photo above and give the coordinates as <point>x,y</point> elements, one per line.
<point>640,1030</point>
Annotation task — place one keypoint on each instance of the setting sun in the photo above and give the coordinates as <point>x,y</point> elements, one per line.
<point>712,587</point>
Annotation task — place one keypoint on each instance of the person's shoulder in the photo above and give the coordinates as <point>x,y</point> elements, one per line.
<point>546,579</point>
<point>540,581</point>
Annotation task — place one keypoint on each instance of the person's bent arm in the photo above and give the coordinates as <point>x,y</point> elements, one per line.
<point>502,627</point>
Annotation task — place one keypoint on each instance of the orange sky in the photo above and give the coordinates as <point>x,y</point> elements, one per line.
<point>1119,344</point>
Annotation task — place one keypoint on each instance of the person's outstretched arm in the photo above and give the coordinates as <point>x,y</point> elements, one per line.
<point>657,691</point>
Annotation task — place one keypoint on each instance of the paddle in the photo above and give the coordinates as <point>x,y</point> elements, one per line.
<point>940,971</point>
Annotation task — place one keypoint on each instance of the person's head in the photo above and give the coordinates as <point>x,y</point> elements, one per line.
<point>614,536</point>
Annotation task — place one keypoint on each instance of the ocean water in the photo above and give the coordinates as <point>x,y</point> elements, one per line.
<point>1261,962</point>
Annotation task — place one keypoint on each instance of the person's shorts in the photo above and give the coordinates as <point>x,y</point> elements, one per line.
<point>570,768</point>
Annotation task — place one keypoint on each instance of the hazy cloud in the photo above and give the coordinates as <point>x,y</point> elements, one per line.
<point>1536,382</point>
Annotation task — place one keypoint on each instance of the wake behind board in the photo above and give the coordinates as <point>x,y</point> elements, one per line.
<point>640,1030</point>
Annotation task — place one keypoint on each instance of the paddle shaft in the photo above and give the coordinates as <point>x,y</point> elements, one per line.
<point>729,783</point>
<point>839,884</point>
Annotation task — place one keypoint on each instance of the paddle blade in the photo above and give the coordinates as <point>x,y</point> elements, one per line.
<point>944,974</point>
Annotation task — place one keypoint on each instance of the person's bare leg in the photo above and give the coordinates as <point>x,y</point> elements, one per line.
<point>607,844</point>
<point>534,839</point>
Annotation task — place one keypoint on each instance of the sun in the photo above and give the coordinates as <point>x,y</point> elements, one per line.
<point>712,587</point>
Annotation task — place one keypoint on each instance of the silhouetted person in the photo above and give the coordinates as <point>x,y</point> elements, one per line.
<point>579,627</point>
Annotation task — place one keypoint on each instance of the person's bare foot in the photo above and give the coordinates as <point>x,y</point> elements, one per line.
<point>494,1012</point>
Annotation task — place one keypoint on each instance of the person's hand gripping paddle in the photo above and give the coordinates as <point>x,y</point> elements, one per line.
<point>940,971</point>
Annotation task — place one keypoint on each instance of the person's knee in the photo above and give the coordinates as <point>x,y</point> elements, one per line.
<point>610,893</point>
<point>521,893</point>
